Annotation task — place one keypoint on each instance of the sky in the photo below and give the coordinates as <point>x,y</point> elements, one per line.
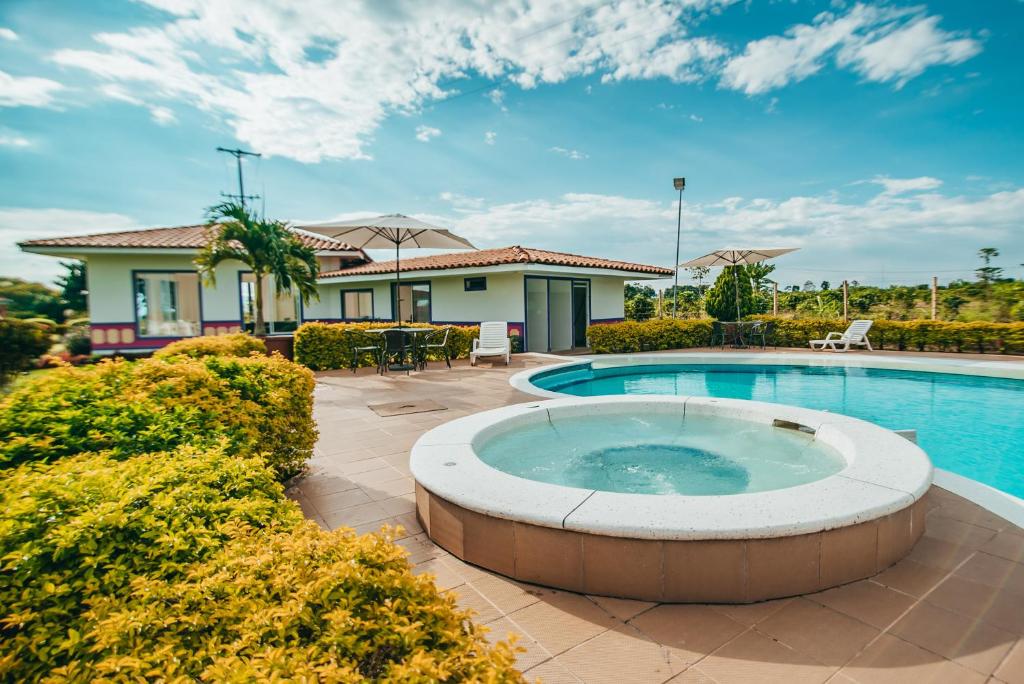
<point>883,139</point>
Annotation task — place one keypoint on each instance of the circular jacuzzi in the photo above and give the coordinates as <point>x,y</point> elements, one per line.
<point>684,499</point>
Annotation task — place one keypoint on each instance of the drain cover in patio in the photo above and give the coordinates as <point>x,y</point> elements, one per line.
<point>400,408</point>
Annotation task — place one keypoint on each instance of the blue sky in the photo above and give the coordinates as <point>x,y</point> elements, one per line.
<point>884,139</point>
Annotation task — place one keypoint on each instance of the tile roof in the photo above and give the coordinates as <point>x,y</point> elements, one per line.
<point>179,237</point>
<point>495,257</point>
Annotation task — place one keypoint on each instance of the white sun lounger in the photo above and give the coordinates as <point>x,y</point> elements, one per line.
<point>855,335</point>
<point>493,341</point>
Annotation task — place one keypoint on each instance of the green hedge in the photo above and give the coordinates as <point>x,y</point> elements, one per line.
<point>658,334</point>
<point>146,536</point>
<point>919,335</point>
<point>21,342</point>
<point>651,335</point>
<point>326,346</point>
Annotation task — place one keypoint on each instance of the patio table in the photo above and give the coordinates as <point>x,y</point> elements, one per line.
<point>405,349</point>
<point>733,333</point>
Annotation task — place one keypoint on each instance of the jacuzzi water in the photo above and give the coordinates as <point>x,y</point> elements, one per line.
<point>660,453</point>
<point>970,425</point>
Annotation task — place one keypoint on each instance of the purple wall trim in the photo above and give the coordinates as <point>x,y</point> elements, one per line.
<point>600,321</point>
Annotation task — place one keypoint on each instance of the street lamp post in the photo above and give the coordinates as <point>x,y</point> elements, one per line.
<point>679,184</point>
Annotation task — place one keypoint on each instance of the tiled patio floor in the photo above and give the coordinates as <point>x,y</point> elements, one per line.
<point>953,611</point>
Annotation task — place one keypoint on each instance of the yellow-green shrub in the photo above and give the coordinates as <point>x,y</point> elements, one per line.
<point>326,346</point>
<point>298,605</point>
<point>258,404</point>
<point>650,335</point>
<point>235,344</point>
<point>917,335</point>
<point>89,525</point>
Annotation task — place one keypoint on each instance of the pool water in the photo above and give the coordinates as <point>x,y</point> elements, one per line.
<point>970,425</point>
<point>660,453</point>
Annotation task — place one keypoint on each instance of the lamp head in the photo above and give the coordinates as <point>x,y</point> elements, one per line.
<point>679,183</point>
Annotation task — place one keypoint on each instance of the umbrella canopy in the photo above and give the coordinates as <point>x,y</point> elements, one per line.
<point>737,257</point>
<point>390,230</point>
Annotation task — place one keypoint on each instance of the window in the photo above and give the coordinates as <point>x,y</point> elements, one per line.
<point>357,305</point>
<point>281,310</point>
<point>477,284</point>
<point>167,304</point>
<point>415,302</point>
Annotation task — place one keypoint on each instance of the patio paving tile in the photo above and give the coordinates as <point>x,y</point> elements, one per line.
<point>561,620</point>
<point>954,609</point>
<point>754,657</point>
<point>891,660</point>
<point>911,577</point>
<point>866,601</point>
<point>828,636</point>
<point>621,654</point>
<point>1012,668</point>
<point>690,632</point>
<point>972,643</point>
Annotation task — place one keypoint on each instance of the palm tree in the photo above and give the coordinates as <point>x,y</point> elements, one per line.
<point>268,248</point>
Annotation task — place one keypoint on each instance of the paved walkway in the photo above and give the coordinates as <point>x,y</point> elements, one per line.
<point>953,611</point>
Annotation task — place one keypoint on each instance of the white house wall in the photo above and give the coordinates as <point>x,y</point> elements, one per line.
<point>606,298</point>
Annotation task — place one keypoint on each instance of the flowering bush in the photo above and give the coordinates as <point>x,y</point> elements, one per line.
<point>236,344</point>
<point>650,335</point>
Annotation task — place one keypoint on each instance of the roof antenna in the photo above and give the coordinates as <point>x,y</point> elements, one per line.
<point>238,154</point>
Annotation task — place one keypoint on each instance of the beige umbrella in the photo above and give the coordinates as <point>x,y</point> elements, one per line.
<point>738,257</point>
<point>391,230</point>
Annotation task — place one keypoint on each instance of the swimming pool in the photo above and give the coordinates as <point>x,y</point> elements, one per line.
<point>970,425</point>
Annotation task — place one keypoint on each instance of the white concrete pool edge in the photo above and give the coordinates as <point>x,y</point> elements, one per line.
<point>884,474</point>
<point>993,500</point>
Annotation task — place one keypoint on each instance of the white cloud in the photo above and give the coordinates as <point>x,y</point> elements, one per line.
<point>900,186</point>
<point>461,202</point>
<point>490,137</point>
<point>880,43</point>
<point>18,224</point>
<point>377,59</point>
<point>162,115</point>
<point>882,232</point>
<point>698,119</point>
<point>906,52</point>
<point>7,34</point>
<point>427,133</point>
<point>571,154</point>
<point>11,139</point>
<point>27,91</point>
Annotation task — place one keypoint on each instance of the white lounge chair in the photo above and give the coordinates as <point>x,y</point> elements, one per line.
<point>855,335</point>
<point>493,341</point>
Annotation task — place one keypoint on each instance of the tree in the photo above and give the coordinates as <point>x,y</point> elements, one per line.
<point>988,273</point>
<point>808,286</point>
<point>721,299</point>
<point>31,300</point>
<point>268,248</point>
<point>72,285</point>
<point>825,285</point>
<point>639,308</point>
<point>632,290</point>
<point>759,272</point>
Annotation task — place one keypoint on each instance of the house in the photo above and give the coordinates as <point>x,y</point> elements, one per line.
<point>144,290</point>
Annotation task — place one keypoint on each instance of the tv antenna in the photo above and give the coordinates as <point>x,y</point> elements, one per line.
<point>238,154</point>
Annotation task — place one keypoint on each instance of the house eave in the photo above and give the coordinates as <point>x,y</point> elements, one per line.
<point>526,268</point>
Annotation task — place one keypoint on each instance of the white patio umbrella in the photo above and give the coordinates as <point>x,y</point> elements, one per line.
<point>390,230</point>
<point>738,257</point>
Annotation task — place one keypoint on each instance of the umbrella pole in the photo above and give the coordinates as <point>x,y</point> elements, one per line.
<point>736,281</point>
<point>398,284</point>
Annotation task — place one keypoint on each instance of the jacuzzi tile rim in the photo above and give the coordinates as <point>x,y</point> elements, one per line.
<point>472,484</point>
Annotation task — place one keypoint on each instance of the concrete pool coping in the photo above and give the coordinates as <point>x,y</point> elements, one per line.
<point>884,473</point>
<point>997,501</point>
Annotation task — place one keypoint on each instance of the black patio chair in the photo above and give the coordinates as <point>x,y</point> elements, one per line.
<point>397,345</point>
<point>434,341</point>
<point>761,331</point>
<point>359,349</point>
